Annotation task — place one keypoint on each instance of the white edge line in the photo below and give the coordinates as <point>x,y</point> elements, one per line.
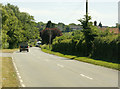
<point>18,74</point>
<point>86,76</point>
<point>22,85</point>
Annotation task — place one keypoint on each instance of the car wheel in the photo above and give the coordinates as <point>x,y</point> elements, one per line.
<point>27,50</point>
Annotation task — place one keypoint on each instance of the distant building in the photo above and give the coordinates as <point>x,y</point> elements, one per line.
<point>119,12</point>
<point>75,27</point>
<point>102,27</point>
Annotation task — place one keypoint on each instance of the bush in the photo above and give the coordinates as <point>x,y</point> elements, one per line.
<point>103,47</point>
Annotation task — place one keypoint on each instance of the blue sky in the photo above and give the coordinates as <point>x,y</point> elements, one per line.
<point>69,11</point>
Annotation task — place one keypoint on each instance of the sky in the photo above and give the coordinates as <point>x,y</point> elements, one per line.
<point>69,11</point>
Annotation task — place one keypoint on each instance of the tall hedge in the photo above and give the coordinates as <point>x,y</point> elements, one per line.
<point>103,47</point>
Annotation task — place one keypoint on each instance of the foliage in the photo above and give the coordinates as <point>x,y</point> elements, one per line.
<point>83,59</point>
<point>100,24</point>
<point>104,47</point>
<point>67,28</point>
<point>89,42</point>
<point>95,23</point>
<point>50,25</point>
<point>49,34</point>
<point>17,26</point>
<point>90,32</point>
<point>41,26</point>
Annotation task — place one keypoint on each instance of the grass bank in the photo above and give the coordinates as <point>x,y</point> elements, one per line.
<point>85,59</point>
<point>8,50</point>
<point>9,76</point>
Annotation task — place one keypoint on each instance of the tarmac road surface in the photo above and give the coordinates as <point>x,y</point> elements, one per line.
<point>39,69</point>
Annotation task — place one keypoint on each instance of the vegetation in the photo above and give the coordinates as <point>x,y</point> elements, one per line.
<point>83,59</point>
<point>89,42</point>
<point>17,26</point>
<point>8,50</point>
<point>41,26</point>
<point>100,25</point>
<point>9,76</point>
<point>49,33</point>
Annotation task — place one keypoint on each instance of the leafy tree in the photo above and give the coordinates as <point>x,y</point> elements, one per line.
<point>100,25</point>
<point>41,26</point>
<point>50,24</point>
<point>67,28</point>
<point>17,26</point>
<point>49,34</point>
<point>60,26</point>
<point>72,24</point>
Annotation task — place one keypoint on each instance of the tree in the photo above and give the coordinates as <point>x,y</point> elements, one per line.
<point>100,25</point>
<point>45,34</point>
<point>67,28</point>
<point>85,22</point>
<point>17,26</point>
<point>72,24</point>
<point>50,24</point>
<point>95,23</point>
<point>89,32</point>
<point>41,26</point>
<point>60,26</point>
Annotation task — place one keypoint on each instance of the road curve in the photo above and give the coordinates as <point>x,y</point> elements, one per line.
<point>39,69</point>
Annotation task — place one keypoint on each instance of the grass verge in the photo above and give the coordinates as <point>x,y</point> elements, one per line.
<point>9,76</point>
<point>86,59</point>
<point>8,50</point>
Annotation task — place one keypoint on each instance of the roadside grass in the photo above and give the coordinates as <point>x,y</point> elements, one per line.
<point>0,72</point>
<point>8,50</point>
<point>9,76</point>
<point>86,59</point>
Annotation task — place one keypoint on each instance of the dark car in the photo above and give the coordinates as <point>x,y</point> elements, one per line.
<point>24,47</point>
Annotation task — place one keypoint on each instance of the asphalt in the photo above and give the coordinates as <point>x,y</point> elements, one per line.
<point>39,69</point>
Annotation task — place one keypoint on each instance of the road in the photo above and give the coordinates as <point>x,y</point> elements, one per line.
<point>39,69</point>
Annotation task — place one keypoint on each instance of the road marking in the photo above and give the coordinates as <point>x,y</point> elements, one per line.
<point>21,80</point>
<point>17,71</point>
<point>86,76</point>
<point>18,74</point>
<point>60,65</point>
<point>23,85</point>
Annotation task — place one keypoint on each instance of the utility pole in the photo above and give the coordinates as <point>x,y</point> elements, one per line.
<point>50,36</point>
<point>86,13</point>
<point>86,7</point>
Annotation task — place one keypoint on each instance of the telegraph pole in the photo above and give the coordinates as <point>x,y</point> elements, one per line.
<point>86,13</point>
<point>50,36</point>
<point>86,7</point>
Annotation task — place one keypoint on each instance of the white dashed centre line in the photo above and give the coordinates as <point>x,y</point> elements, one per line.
<point>86,76</point>
<point>60,65</point>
